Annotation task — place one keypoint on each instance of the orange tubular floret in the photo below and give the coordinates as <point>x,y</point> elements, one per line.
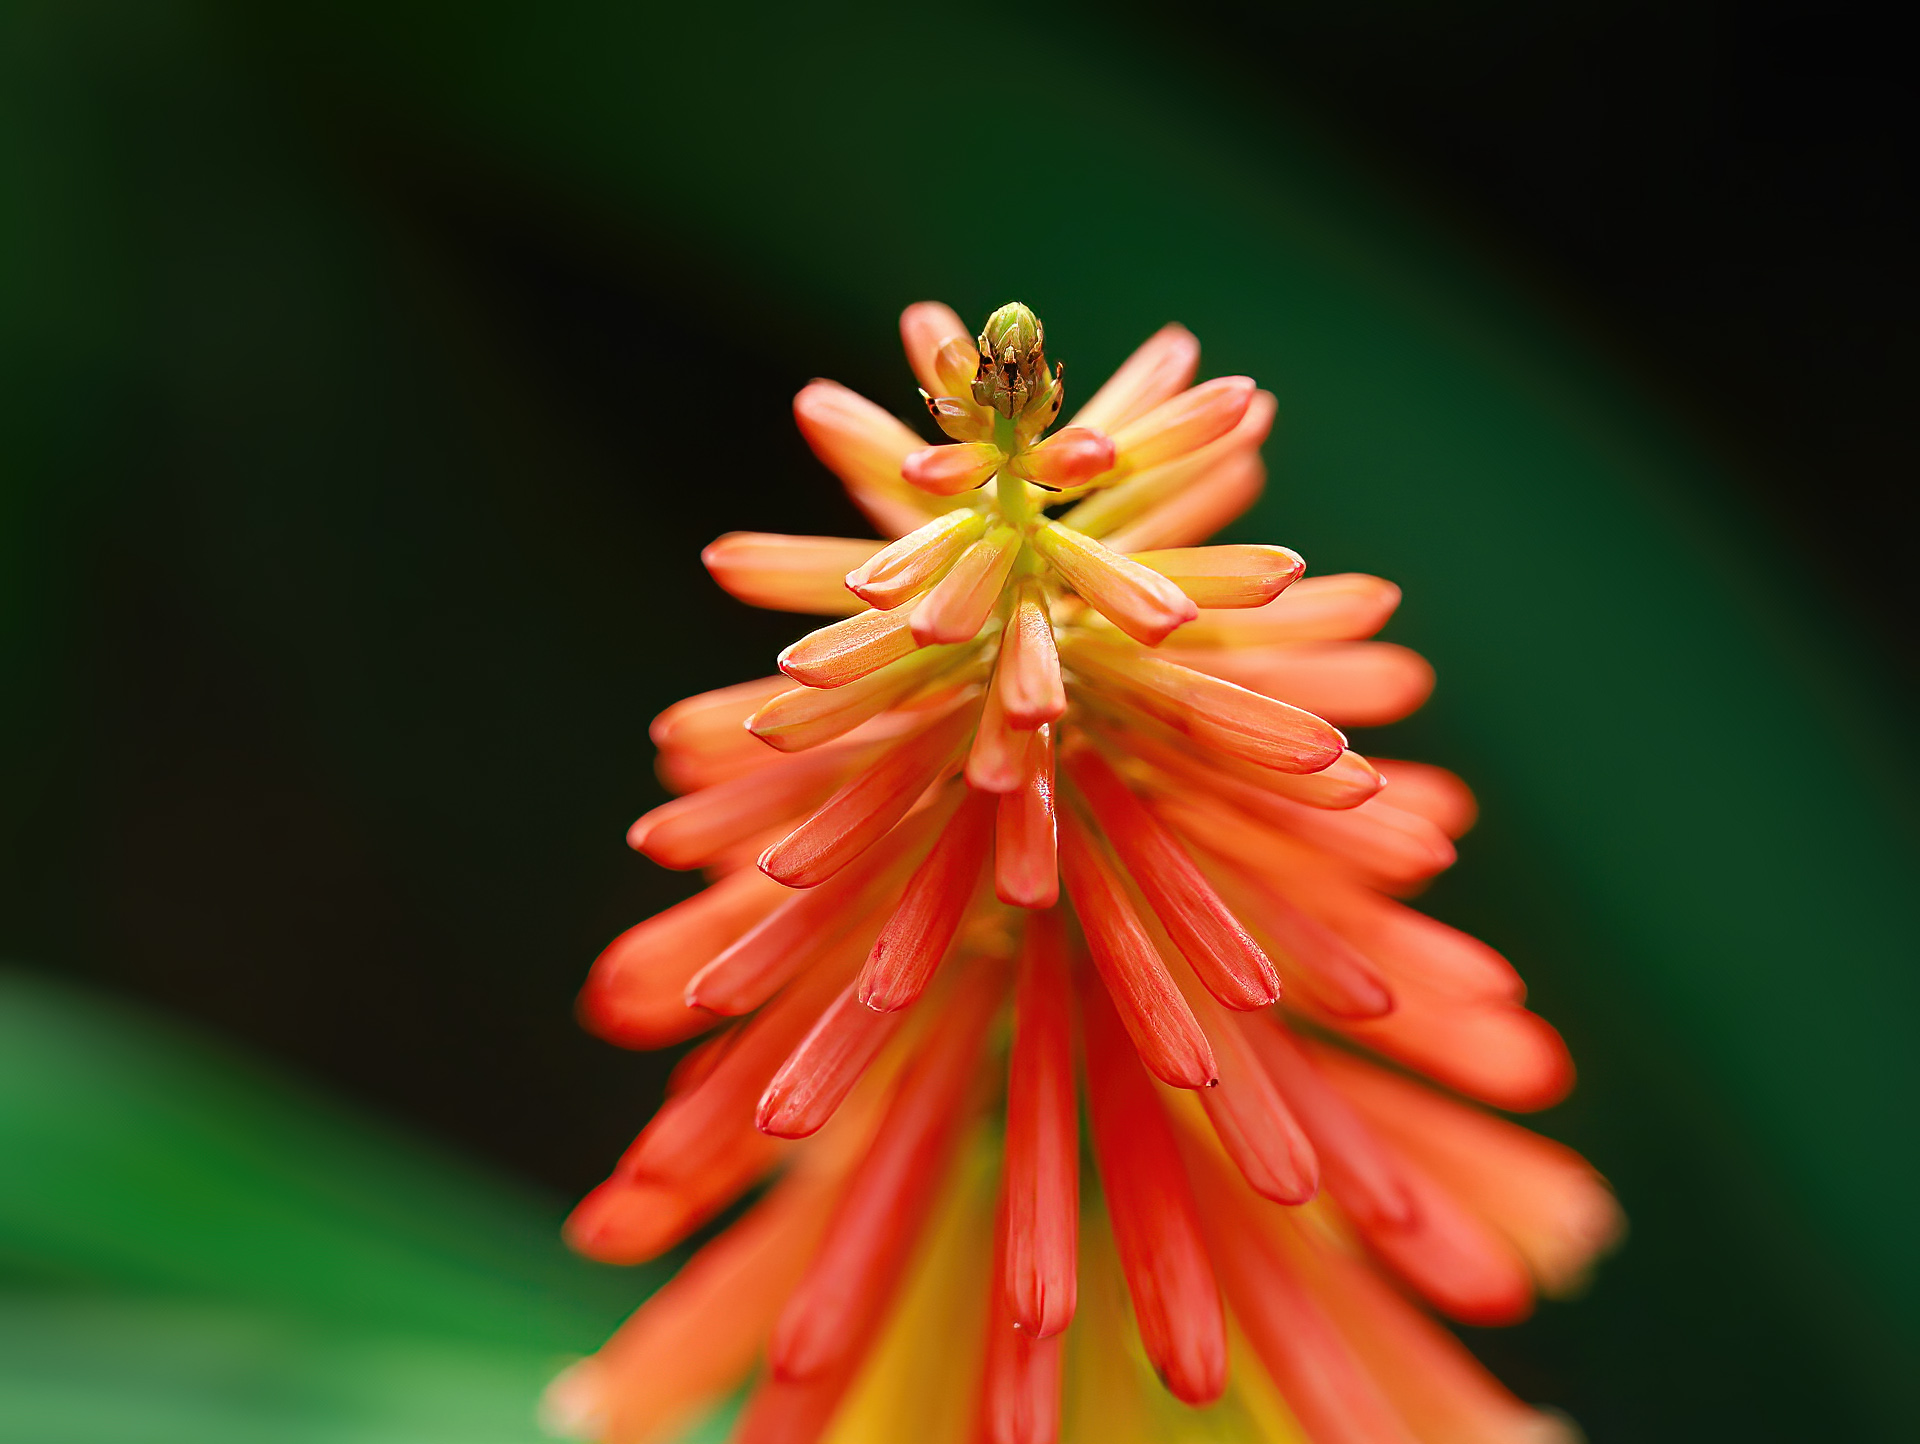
<point>957,414</point>
<point>691,831</point>
<point>944,361</point>
<point>1227,576</point>
<point>950,470</point>
<point>1214,713</point>
<point>789,938</point>
<point>1222,953</point>
<point>698,1336</point>
<point>1335,1399</point>
<point>866,809</point>
<point>788,1411</point>
<point>1397,942</point>
<point>1176,1299</point>
<point>1019,1373</point>
<point>1365,1177</point>
<point>1068,458</point>
<point>1326,968</point>
<point>1027,674</point>
<point>847,651</point>
<point>819,1074</point>
<point>787,573</point>
<point>1545,1198</point>
<point>711,719</point>
<point>629,1219</point>
<point>925,328</point>
<point>1163,1027</point>
<point>1498,1053</point>
<point>918,934</point>
<point>1455,1260</point>
<point>959,605</point>
<point>1141,603</point>
<point>682,771</point>
<point>1410,946</point>
<point>910,565</point>
<point>955,367</point>
<point>1161,367</point>
<point>1350,781</point>
<point>1190,516</point>
<point>636,993</point>
<point>697,1062</point>
<point>853,1275</point>
<point>1128,503</point>
<point>1330,971</point>
<point>1442,1391</point>
<point>1183,423</point>
<point>1249,1114</point>
<point>997,761</point>
<point>808,716</point>
<point>1040,1195</point>
<point>1361,684</point>
<point>1025,867</point>
<point>863,445</point>
<point>696,1127</point>
<point>1340,607</point>
<point>1392,846</point>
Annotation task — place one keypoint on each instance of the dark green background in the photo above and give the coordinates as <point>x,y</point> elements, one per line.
<point>373,377</point>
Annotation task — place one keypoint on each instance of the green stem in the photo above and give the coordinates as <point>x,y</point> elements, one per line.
<point>1011,494</point>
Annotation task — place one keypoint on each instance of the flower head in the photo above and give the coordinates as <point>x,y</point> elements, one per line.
<point>1075,773</point>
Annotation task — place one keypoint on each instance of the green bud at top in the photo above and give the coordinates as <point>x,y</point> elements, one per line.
<point>1016,326</point>
<point>1013,362</point>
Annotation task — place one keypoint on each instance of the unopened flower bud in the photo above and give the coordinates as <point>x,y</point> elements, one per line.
<point>1013,363</point>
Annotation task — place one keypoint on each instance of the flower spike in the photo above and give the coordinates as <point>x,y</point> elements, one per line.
<point>1050,758</point>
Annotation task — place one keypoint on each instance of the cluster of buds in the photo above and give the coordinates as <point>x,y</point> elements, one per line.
<point>1081,771</point>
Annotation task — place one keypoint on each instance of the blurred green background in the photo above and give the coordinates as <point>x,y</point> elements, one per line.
<point>374,373</point>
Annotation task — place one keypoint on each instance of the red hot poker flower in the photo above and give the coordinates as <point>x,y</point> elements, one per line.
<point>1059,761</point>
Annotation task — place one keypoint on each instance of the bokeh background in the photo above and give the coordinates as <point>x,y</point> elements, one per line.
<point>373,374</point>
